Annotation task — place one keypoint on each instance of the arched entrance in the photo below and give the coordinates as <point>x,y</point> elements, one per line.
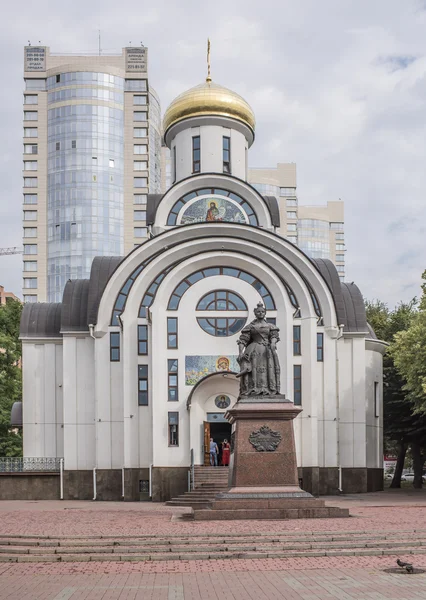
<point>207,404</point>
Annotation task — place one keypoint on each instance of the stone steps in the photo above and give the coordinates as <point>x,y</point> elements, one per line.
<point>209,481</point>
<point>202,547</point>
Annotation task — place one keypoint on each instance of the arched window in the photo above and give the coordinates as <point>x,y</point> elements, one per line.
<point>221,300</point>
<point>184,285</point>
<point>211,205</point>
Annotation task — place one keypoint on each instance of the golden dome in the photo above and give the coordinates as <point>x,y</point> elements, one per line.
<point>209,99</point>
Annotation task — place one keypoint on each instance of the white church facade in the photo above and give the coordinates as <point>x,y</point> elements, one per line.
<point>131,374</point>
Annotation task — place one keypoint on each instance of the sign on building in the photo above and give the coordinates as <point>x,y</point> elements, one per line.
<point>35,58</point>
<point>137,60</point>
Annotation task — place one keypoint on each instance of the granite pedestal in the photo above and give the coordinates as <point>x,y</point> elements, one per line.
<point>263,481</point>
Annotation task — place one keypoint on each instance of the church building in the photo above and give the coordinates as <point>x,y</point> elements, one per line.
<point>131,374</point>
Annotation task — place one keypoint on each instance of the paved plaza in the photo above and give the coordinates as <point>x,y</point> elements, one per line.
<point>293,577</point>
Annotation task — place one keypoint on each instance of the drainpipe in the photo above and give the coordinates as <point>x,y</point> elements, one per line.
<point>91,329</point>
<point>61,478</point>
<point>150,480</point>
<point>94,483</point>
<point>340,334</point>
<point>122,483</point>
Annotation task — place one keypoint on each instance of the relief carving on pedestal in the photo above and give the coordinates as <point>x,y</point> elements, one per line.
<point>265,440</point>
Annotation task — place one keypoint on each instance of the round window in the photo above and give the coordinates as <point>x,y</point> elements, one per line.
<point>219,301</point>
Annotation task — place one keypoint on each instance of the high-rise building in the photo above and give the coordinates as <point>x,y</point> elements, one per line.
<point>318,230</point>
<point>6,296</point>
<point>92,145</point>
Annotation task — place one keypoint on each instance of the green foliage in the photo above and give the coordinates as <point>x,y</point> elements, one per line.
<point>10,375</point>
<point>408,351</point>
<point>400,422</point>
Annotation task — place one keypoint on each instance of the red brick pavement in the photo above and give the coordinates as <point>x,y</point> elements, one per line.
<point>313,578</point>
<point>114,518</point>
<point>338,582</point>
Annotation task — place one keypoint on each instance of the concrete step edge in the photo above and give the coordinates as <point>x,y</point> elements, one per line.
<point>205,556</point>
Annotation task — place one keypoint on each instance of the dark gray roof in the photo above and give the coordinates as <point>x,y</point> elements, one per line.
<point>102,269</point>
<point>274,211</point>
<point>41,319</point>
<point>152,204</point>
<point>16,414</point>
<point>328,270</point>
<point>356,319</point>
<point>348,299</point>
<point>74,305</point>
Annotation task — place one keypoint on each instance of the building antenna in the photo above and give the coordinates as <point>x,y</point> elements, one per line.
<point>208,78</point>
<point>99,40</point>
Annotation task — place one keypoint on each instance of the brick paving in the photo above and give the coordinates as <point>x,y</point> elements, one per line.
<point>307,578</point>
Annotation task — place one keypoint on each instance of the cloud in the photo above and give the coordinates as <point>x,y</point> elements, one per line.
<point>338,87</point>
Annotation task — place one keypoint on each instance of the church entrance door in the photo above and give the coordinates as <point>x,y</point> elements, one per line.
<point>206,443</point>
<point>219,432</point>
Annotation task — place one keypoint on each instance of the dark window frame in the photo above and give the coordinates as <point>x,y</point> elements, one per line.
<point>172,371</point>
<point>226,154</point>
<point>196,147</point>
<point>172,345</point>
<point>297,343</point>
<point>297,385</point>
<point>114,346</point>
<point>143,395</point>
<point>320,347</point>
<point>376,399</point>
<point>173,439</point>
<point>142,339</point>
<point>226,299</point>
<point>229,321</point>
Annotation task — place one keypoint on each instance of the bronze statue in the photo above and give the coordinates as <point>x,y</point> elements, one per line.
<point>258,359</point>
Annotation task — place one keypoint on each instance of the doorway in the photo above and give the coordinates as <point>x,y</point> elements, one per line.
<point>219,431</point>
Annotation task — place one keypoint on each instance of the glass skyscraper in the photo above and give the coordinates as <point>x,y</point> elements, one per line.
<point>92,125</point>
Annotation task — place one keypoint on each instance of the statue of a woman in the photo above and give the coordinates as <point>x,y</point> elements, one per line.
<point>258,359</point>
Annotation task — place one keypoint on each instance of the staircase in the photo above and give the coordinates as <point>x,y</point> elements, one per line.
<point>290,544</point>
<point>209,481</point>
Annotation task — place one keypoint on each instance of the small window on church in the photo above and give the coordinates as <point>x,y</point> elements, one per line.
<point>296,340</point>
<point>297,385</point>
<point>143,385</point>
<point>172,332</point>
<point>226,154</point>
<point>114,347</point>
<point>320,347</point>
<point>173,420</point>
<point>142,340</point>
<point>172,367</point>
<point>196,149</point>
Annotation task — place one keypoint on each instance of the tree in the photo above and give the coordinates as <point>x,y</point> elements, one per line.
<point>409,353</point>
<point>402,426</point>
<point>10,375</point>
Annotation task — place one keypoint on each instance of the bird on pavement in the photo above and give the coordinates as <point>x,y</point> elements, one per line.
<point>404,565</point>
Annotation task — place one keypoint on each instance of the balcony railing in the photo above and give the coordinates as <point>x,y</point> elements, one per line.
<point>29,464</point>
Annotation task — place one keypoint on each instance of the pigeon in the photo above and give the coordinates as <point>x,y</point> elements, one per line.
<point>407,566</point>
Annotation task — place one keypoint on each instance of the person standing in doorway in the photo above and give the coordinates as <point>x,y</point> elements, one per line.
<point>214,450</point>
<point>226,452</point>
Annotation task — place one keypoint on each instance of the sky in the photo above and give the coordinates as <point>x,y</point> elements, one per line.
<point>337,86</point>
